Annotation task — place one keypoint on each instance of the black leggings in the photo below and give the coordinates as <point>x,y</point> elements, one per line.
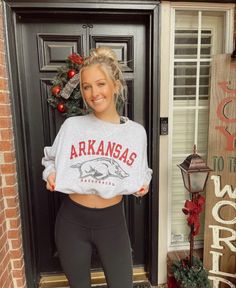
<point>78,228</point>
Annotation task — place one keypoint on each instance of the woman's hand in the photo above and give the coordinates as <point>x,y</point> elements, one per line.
<point>142,191</point>
<point>51,182</point>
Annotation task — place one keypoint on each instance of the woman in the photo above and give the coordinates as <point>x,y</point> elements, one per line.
<point>96,159</point>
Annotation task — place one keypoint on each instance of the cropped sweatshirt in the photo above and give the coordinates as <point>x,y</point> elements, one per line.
<point>92,156</point>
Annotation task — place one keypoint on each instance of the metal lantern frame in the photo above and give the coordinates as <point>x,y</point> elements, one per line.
<point>192,165</point>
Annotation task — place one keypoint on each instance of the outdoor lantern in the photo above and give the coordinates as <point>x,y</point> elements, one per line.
<point>194,172</point>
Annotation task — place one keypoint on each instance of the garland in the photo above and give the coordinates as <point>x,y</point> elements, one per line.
<point>65,95</point>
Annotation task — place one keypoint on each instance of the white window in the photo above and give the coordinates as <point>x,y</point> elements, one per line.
<point>197,35</point>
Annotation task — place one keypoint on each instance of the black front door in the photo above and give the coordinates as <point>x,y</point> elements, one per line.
<point>44,42</point>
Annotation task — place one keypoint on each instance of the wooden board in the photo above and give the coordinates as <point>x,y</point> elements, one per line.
<point>220,221</point>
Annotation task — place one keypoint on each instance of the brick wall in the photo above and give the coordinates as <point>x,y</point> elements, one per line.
<point>235,24</point>
<point>11,252</point>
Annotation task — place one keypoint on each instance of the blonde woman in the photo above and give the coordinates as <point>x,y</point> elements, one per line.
<point>96,159</point>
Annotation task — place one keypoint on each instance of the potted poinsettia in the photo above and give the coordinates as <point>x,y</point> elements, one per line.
<point>190,276</point>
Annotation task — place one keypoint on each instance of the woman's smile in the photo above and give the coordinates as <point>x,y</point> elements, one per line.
<point>98,99</point>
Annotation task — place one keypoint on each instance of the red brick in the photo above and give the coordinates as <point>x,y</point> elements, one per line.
<point>5,110</point>
<point>14,223</point>
<point>1,203</point>
<point>2,58</point>
<point>17,264</point>
<point>5,122</point>
<point>11,213</point>
<point>3,227</point>
<point>9,191</point>
<point>12,202</point>
<point>10,179</point>
<point>1,35</point>
<point>3,240</point>
<point>4,277</point>
<point>3,69</point>
<point>2,217</point>
<point>6,145</point>
<point>3,82</point>
<point>8,169</point>
<point>2,255</point>
<point>2,45</point>
<point>9,283</point>
<point>1,21</point>
<point>9,157</point>
<point>4,98</point>
<point>6,260</point>
<point>16,254</point>
<point>1,231</point>
<point>6,134</point>
<point>17,273</point>
<point>13,234</point>
<point>16,244</point>
<point>20,282</point>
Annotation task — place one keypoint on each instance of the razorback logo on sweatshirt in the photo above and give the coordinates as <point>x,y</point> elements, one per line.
<point>100,169</point>
<point>100,148</point>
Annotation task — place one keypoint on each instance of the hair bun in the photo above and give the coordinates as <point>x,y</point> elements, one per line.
<point>104,52</point>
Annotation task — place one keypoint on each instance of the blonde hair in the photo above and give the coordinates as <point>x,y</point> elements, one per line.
<point>107,59</point>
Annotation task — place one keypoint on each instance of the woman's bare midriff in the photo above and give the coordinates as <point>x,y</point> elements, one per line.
<point>94,201</point>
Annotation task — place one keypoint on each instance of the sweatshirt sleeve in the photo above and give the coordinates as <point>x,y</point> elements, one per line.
<point>48,161</point>
<point>147,172</point>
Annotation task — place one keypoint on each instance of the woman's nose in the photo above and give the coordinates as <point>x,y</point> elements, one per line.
<point>94,91</point>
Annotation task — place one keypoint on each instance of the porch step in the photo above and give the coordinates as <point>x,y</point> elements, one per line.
<point>136,285</point>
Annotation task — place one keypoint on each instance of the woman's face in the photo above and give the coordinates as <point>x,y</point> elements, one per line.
<point>98,90</point>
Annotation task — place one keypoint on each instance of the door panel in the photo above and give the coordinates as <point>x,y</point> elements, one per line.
<point>45,45</point>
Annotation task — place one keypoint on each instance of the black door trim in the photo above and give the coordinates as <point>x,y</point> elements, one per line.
<point>14,9</point>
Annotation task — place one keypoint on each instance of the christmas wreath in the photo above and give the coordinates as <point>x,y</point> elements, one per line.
<point>65,93</point>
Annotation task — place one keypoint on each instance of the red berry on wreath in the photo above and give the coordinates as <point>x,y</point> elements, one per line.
<point>56,90</point>
<point>71,73</point>
<point>61,107</point>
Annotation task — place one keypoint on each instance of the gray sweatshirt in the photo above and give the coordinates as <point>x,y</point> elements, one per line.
<point>92,156</point>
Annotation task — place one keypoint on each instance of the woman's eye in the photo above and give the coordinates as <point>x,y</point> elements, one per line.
<point>85,87</point>
<point>101,84</point>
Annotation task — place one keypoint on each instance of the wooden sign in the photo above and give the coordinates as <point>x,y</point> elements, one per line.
<point>220,217</point>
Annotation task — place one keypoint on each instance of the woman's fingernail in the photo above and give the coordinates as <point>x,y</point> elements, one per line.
<point>141,190</point>
<point>53,187</point>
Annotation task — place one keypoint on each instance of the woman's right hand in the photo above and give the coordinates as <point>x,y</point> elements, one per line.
<point>51,182</point>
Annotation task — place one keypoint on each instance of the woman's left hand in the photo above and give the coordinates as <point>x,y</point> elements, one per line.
<point>142,191</point>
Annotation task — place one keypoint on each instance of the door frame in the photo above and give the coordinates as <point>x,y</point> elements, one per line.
<point>150,10</point>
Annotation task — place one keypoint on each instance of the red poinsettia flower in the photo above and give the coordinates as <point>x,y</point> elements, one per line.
<point>76,58</point>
